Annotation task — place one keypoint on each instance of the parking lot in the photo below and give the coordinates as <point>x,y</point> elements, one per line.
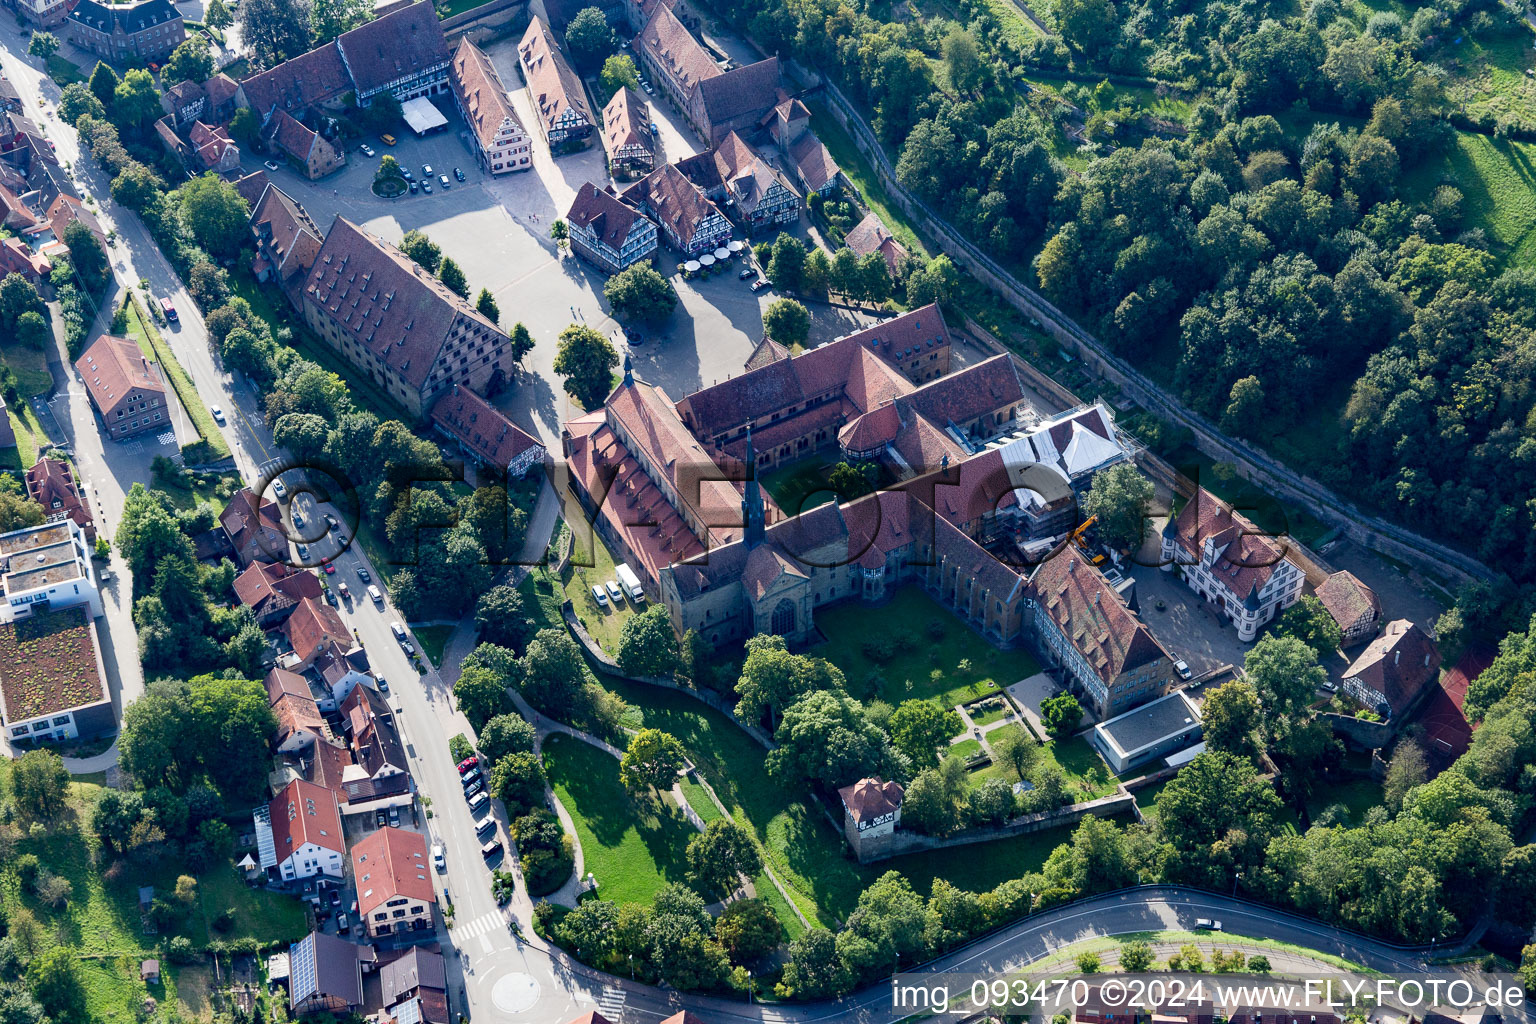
<point>497,229</point>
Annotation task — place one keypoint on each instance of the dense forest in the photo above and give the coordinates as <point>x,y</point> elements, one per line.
<point>1275,258</point>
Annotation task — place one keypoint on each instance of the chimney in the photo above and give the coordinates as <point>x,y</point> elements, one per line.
<point>1397,656</point>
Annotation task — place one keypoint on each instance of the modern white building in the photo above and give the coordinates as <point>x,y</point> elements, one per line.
<point>47,567</point>
<point>53,683</point>
<point>1226,559</point>
<point>1163,727</point>
<point>299,834</point>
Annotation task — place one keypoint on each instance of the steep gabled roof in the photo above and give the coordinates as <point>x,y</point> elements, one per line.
<point>391,863</point>
<point>1093,615</point>
<point>673,200</point>
<point>741,96</point>
<point>552,84</point>
<point>1247,556</point>
<point>673,47</point>
<point>480,427</point>
<point>312,624</point>
<point>1398,664</point>
<point>305,813</point>
<point>610,220</point>
<point>481,93</point>
<point>406,42</point>
<point>1347,599</point>
<point>294,86</point>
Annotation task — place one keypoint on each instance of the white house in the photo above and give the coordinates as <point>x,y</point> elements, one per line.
<point>299,833</point>
<point>47,567</point>
<point>1230,562</point>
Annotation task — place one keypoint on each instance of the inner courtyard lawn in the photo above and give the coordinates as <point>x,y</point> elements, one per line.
<point>633,845</point>
<point>920,636</point>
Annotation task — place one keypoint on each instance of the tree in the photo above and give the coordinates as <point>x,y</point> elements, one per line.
<point>518,781</point>
<point>244,129</point>
<point>147,532</point>
<point>18,296</point>
<point>1121,497</point>
<point>274,30</point>
<point>786,262</point>
<point>1517,886</point>
<point>815,969</point>
<point>139,188</point>
<point>330,18</point>
<point>772,678</point>
<point>87,256</point>
<point>640,293</point>
<point>787,322</point>
<point>1311,623</point>
<point>304,434</point>
<point>481,694</point>
<point>32,330</point>
<point>501,619</point>
<point>39,784</point>
<point>619,72</point>
<point>886,925</point>
<point>136,101</point>
<point>186,890</point>
<point>217,15</point>
<point>506,734</point>
<point>56,984</point>
<point>1408,769</point>
<point>962,59</point>
<point>485,305</point>
<point>1217,816</point>
<point>1017,750</point>
<point>992,802</point>
<point>215,212</point>
<point>1060,714</point>
<point>825,738</point>
<point>935,799</point>
<point>560,232</point>
<point>103,83</point>
<point>589,39</point>
<point>586,359</point>
<point>720,854</point>
<point>77,101</point>
<point>1097,860</point>
<point>747,930</point>
<point>210,726</point>
<point>552,671</point>
<point>189,62</point>
<point>652,760</point>
<point>522,342</point>
<point>1135,957</point>
<point>1231,713</point>
<point>1245,410</point>
<point>648,644</point>
<point>422,249</point>
<point>452,275</point>
<point>817,273</point>
<point>1285,676</point>
<point>16,511</point>
<point>208,283</point>
<point>935,282</point>
<point>43,45</point>
<point>920,727</point>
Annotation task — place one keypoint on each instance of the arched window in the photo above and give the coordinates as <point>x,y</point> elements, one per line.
<point>783,618</point>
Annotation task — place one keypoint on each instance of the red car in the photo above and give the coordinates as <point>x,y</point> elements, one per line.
<point>330,568</point>
<point>468,763</point>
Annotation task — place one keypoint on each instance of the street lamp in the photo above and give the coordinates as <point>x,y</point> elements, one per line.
<point>631,957</point>
<point>1235,879</point>
<point>749,988</point>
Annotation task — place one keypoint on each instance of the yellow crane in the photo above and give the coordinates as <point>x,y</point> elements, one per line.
<point>1076,537</point>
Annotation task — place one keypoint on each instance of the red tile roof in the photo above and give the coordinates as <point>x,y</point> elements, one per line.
<point>1246,558</point>
<point>211,143</point>
<point>51,483</point>
<point>739,97</point>
<point>297,714</point>
<point>1077,597</point>
<point>1398,664</point>
<point>869,235</point>
<point>480,427</point>
<point>407,41</point>
<point>279,681</point>
<point>625,122</point>
<point>305,813</point>
<point>674,201</point>
<point>674,49</point>
<point>391,863</point>
<point>312,624</point>
<point>481,93</point>
<point>286,230</point>
<point>813,162</point>
<point>268,587</point>
<point>254,526</point>
<point>113,370</point>
<point>608,218</point>
<point>552,85</point>
<point>386,302</point>
<point>291,136</point>
<point>868,799</point>
<point>296,85</point>
<point>251,187</point>
<point>1346,598</point>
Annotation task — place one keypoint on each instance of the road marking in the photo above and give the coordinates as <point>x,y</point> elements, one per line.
<point>611,1003</point>
<point>480,925</point>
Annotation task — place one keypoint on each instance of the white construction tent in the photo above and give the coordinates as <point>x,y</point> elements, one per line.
<point>422,115</point>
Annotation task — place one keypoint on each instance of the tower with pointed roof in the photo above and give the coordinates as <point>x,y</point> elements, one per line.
<point>752,516</point>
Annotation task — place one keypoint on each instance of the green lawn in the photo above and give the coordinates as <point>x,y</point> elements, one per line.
<point>145,333</point>
<point>1088,777</point>
<point>909,673</point>
<point>633,845</point>
<point>31,368</point>
<point>800,485</point>
<point>29,433</point>
<point>1497,179</point>
<point>1358,795</point>
<point>431,640</point>
<point>64,71</point>
<point>102,924</point>
<point>1146,797</point>
<point>983,716</point>
<point>858,171</point>
<point>965,749</point>
<point>603,623</point>
<point>985,864</point>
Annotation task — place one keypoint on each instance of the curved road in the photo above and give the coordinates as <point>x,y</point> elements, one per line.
<point>567,989</point>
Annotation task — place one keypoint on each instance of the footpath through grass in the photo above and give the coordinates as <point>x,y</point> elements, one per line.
<point>634,846</point>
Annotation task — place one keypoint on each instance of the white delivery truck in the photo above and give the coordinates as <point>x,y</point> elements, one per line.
<point>630,582</point>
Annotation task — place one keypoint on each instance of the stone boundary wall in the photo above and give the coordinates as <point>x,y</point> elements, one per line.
<point>903,841</point>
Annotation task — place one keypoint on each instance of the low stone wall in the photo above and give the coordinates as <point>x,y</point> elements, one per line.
<point>485,20</point>
<point>1363,734</point>
<point>903,841</point>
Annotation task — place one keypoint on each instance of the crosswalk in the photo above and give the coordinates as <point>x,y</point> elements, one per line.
<point>611,1003</point>
<point>479,926</point>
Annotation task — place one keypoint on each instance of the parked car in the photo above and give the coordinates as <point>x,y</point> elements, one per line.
<point>468,765</point>
<point>758,285</point>
<point>405,172</point>
<point>298,520</point>
<point>330,568</point>
<point>279,490</point>
<point>426,187</point>
<point>491,850</point>
<point>479,803</point>
<point>469,777</point>
<point>473,788</point>
<point>438,860</point>
<point>330,599</point>
<point>746,272</point>
<point>270,165</point>
<point>388,140</point>
<point>1208,924</point>
<point>218,415</point>
<point>383,684</point>
<point>414,188</point>
<point>365,149</point>
<point>458,175</point>
<point>303,552</point>
<point>343,926</point>
<point>442,179</point>
<point>335,897</point>
<point>1182,668</point>
<point>394,817</point>
<point>426,169</point>
<point>600,596</point>
<point>485,827</point>
<point>398,630</point>
<point>1330,686</point>
<point>373,593</point>
<point>342,589</point>
<point>362,573</point>
<point>615,593</point>
<point>382,818</point>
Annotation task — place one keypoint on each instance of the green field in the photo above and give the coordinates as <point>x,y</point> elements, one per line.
<point>909,673</point>
<point>633,845</point>
<point>965,749</point>
<point>1088,777</point>
<point>431,640</point>
<point>30,365</point>
<point>1497,179</point>
<point>101,922</point>
<point>604,623</point>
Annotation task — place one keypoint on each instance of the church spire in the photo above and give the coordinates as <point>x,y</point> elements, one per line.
<point>752,499</point>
